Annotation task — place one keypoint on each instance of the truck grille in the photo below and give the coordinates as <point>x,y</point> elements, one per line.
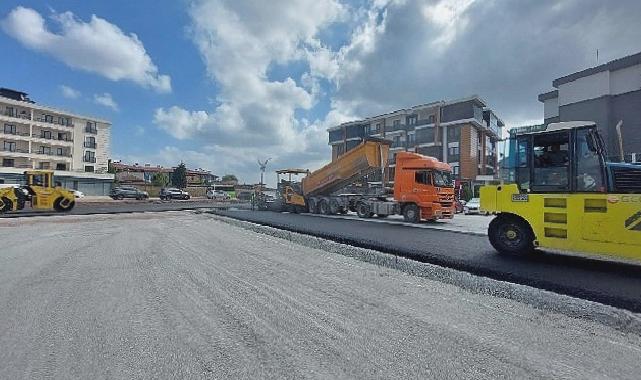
<point>627,179</point>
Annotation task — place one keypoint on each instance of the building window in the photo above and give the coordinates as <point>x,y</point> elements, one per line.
<point>453,133</point>
<point>9,111</point>
<point>90,156</point>
<point>378,127</point>
<point>456,170</point>
<point>91,127</point>
<point>49,118</point>
<point>59,152</point>
<point>10,146</point>
<point>60,166</point>
<point>44,150</point>
<point>411,140</point>
<point>44,165</point>
<point>411,120</point>
<point>396,124</point>
<point>453,151</point>
<point>45,134</point>
<point>10,129</point>
<point>63,137</point>
<point>90,142</point>
<point>8,162</point>
<point>431,119</point>
<point>89,169</point>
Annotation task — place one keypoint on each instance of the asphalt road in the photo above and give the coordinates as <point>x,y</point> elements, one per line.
<point>92,208</point>
<point>610,283</point>
<point>179,295</point>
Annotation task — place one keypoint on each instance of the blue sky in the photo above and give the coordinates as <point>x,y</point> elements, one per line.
<point>220,84</point>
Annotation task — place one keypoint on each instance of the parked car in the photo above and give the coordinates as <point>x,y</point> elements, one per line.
<point>218,195</point>
<point>460,205</point>
<point>173,193</point>
<point>123,192</point>
<point>473,206</point>
<point>78,194</point>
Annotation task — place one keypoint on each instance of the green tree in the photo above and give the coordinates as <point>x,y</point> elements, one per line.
<point>229,178</point>
<point>160,179</point>
<point>179,176</point>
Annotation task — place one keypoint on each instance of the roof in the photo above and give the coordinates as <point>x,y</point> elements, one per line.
<point>552,127</point>
<point>614,65</point>
<point>548,95</point>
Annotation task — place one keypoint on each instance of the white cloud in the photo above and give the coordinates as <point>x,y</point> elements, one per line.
<point>95,46</point>
<point>106,100</point>
<point>181,123</point>
<point>69,93</point>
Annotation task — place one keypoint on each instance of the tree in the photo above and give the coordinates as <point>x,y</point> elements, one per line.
<point>160,179</point>
<point>179,176</point>
<point>229,178</point>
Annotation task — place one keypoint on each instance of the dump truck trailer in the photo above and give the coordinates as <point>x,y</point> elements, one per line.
<point>423,186</point>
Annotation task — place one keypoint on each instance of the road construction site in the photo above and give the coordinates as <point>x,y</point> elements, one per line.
<point>193,295</point>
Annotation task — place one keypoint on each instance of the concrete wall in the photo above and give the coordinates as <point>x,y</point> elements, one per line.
<point>626,107</point>
<point>551,108</point>
<point>625,80</point>
<point>585,88</point>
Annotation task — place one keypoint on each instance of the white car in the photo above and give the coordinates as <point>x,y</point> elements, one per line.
<point>78,194</point>
<point>218,195</point>
<point>472,207</point>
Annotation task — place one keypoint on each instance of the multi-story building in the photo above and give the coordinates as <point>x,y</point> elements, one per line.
<point>605,94</point>
<point>137,174</point>
<point>463,133</point>
<point>33,136</point>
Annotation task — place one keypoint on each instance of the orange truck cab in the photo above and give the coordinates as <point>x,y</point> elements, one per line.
<point>426,183</point>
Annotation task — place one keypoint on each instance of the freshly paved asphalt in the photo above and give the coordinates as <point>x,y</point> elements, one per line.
<point>117,207</point>
<point>614,284</point>
<point>182,296</point>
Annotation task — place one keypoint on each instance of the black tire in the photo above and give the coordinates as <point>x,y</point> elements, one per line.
<point>119,197</point>
<point>301,209</point>
<point>411,213</point>
<point>381,216</point>
<point>20,197</point>
<point>511,234</point>
<point>7,205</point>
<point>187,197</point>
<point>312,207</point>
<point>323,207</point>
<point>60,206</point>
<point>362,210</point>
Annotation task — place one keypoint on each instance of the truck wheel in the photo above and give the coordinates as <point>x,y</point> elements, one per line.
<point>411,213</point>
<point>362,210</point>
<point>312,207</point>
<point>61,205</point>
<point>510,234</point>
<point>120,197</point>
<point>323,207</point>
<point>6,204</point>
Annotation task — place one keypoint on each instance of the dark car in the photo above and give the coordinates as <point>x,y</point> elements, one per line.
<point>173,193</point>
<point>123,192</point>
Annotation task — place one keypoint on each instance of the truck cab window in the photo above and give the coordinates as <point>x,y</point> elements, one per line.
<point>423,177</point>
<point>589,176</point>
<point>551,161</point>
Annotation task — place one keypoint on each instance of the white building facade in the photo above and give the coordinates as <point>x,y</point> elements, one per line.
<point>33,136</point>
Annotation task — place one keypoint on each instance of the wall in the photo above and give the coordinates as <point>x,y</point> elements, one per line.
<point>625,80</point>
<point>551,108</point>
<point>585,88</point>
<point>626,107</point>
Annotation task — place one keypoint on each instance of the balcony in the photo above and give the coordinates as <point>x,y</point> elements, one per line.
<point>88,144</point>
<point>54,121</point>
<point>51,137</point>
<point>89,159</point>
<point>14,150</point>
<point>18,115</point>
<point>52,153</point>
<point>16,133</point>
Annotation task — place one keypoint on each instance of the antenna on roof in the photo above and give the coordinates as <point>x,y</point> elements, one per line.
<point>597,56</point>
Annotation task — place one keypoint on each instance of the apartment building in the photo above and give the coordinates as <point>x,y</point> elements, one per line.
<point>33,136</point>
<point>604,94</point>
<point>463,133</point>
<point>138,174</point>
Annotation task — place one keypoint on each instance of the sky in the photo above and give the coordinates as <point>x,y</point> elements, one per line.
<point>221,84</point>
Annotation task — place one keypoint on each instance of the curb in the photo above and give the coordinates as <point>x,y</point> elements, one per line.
<point>619,319</point>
